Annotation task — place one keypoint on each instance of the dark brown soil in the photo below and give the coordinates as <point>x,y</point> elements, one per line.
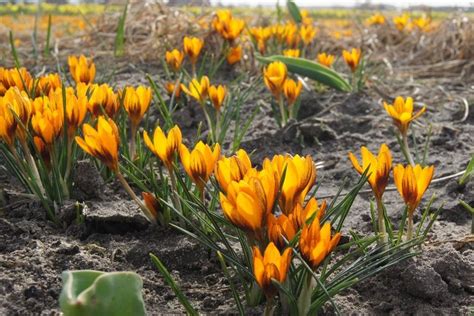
<point>33,252</point>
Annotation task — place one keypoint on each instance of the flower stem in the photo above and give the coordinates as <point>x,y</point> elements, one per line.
<point>406,149</point>
<point>174,187</point>
<point>269,307</point>
<point>282,110</point>
<point>132,146</point>
<point>209,122</point>
<point>410,226</point>
<point>381,222</point>
<point>132,194</point>
<point>304,300</point>
<point>34,168</point>
<point>68,158</point>
<point>218,123</point>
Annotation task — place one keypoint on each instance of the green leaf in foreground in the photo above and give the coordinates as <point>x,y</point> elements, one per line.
<point>88,292</point>
<point>294,11</point>
<point>312,70</point>
<point>176,290</point>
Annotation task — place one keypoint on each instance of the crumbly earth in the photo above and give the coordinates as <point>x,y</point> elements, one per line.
<point>33,252</point>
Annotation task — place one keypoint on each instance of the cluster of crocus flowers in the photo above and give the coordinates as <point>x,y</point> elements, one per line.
<point>15,77</point>
<point>275,76</point>
<point>270,206</point>
<point>411,183</point>
<point>227,26</point>
<point>378,173</point>
<point>261,35</point>
<point>352,58</point>
<point>326,59</point>
<point>82,69</point>
<point>401,112</point>
<point>201,90</point>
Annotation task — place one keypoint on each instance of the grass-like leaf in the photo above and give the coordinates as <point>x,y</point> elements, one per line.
<point>170,281</point>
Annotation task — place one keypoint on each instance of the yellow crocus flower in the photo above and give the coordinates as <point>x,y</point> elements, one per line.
<point>101,142</point>
<point>217,95</point>
<point>274,76</point>
<point>316,243</point>
<point>234,55</point>
<point>402,113</point>
<point>379,168</point>
<point>174,59</point>
<point>232,168</point>
<point>326,59</point>
<point>272,265</point>
<point>412,182</point>
<point>164,146</point>
<point>136,103</point>
<point>200,162</point>
<point>352,58</point>
<point>192,47</point>
<point>292,90</point>
<point>82,69</point>
<point>197,89</point>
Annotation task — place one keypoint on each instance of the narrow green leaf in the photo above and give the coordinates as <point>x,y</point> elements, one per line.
<point>48,37</point>
<point>120,35</point>
<point>231,283</point>
<point>170,281</point>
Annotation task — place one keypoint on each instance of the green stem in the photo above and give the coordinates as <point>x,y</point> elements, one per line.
<point>269,307</point>
<point>406,149</point>
<point>68,158</point>
<point>34,168</point>
<point>194,70</point>
<point>304,300</point>
<point>175,194</point>
<point>381,222</point>
<point>410,226</point>
<point>132,194</point>
<point>218,123</point>
<point>282,111</point>
<point>133,137</point>
<point>209,122</point>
